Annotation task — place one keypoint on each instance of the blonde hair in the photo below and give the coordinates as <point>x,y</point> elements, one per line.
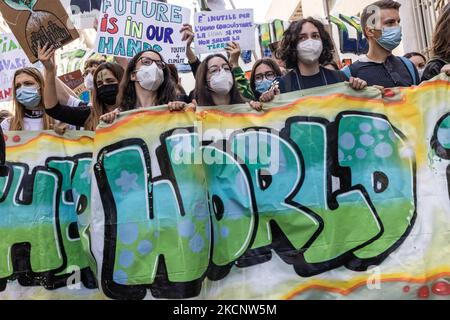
<point>16,122</point>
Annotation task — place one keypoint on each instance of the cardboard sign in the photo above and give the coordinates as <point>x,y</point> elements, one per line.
<point>213,30</point>
<point>12,58</point>
<point>38,21</point>
<point>83,12</point>
<point>127,28</point>
<point>75,81</point>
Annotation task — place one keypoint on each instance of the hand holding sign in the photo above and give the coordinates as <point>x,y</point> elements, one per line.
<point>188,34</point>
<point>46,55</point>
<point>234,50</point>
<point>37,21</point>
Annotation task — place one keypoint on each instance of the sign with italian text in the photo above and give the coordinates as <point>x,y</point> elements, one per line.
<point>214,29</point>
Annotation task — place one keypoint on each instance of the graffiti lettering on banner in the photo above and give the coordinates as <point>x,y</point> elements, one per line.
<point>127,28</point>
<point>213,30</point>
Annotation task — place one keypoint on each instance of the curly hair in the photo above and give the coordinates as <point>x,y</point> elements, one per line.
<point>287,50</point>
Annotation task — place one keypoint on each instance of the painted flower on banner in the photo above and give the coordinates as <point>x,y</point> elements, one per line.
<point>127,181</point>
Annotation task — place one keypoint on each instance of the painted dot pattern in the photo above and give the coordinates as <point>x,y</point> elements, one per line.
<point>366,139</point>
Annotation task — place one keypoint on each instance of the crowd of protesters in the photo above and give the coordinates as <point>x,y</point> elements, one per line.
<point>303,59</point>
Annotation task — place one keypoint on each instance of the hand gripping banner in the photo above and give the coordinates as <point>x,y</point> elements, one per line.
<point>327,193</point>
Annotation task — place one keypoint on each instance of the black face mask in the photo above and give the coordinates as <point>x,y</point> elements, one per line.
<point>107,94</point>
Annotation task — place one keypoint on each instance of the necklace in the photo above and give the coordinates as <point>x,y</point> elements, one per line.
<point>300,78</point>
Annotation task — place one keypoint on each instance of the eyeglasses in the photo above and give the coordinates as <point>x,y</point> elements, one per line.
<point>149,61</point>
<point>269,75</point>
<point>216,69</point>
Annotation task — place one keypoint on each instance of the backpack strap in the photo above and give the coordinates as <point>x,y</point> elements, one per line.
<point>347,71</point>
<point>410,66</point>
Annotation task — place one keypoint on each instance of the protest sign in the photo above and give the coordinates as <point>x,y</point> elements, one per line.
<point>75,81</point>
<point>213,30</point>
<point>35,22</point>
<point>12,58</point>
<point>127,28</point>
<point>331,193</point>
<point>82,12</point>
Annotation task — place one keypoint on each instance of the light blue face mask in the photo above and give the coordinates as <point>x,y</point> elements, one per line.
<point>390,38</point>
<point>29,97</point>
<point>263,86</point>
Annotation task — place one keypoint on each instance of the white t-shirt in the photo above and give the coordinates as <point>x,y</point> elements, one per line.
<point>29,124</point>
<point>74,102</point>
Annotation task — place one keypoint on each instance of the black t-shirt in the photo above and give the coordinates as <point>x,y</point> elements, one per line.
<point>294,81</point>
<point>390,74</point>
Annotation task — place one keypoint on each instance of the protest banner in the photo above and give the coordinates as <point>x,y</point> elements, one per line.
<point>35,22</point>
<point>12,58</point>
<point>214,29</point>
<point>38,205</point>
<point>82,12</point>
<point>75,81</point>
<point>330,193</point>
<point>127,28</point>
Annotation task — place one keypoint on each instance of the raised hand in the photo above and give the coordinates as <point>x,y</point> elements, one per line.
<point>234,50</point>
<point>46,55</point>
<point>188,34</point>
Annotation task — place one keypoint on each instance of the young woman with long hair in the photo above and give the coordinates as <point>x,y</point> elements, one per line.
<point>106,80</point>
<point>28,100</point>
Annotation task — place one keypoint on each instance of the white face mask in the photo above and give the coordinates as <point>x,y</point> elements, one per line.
<point>89,82</point>
<point>309,51</point>
<point>150,77</point>
<point>421,71</point>
<point>222,82</point>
